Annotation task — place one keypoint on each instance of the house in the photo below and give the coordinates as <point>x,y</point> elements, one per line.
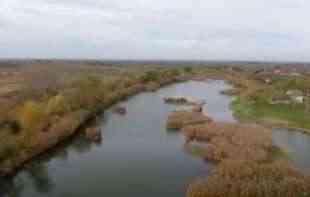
<point>282,71</point>
<point>277,71</point>
<point>298,99</point>
<point>296,96</point>
<point>268,80</point>
<point>280,100</point>
<point>294,93</point>
<point>291,96</point>
<point>290,70</point>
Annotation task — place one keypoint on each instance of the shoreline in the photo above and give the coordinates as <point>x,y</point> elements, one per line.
<point>268,122</point>
<point>85,117</point>
<point>275,125</point>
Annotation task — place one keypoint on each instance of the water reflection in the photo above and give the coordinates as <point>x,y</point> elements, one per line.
<point>36,172</point>
<point>39,176</point>
<point>10,188</point>
<point>81,145</point>
<point>297,144</point>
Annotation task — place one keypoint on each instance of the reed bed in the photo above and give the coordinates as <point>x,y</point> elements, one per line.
<point>180,119</point>
<point>232,141</point>
<point>244,178</point>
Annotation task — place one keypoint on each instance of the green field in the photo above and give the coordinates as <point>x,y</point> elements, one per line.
<point>292,115</point>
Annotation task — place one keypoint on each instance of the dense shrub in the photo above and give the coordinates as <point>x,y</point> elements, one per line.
<point>128,82</point>
<point>188,69</point>
<point>57,105</point>
<point>152,86</point>
<point>170,73</point>
<point>30,114</point>
<point>292,84</point>
<point>88,92</point>
<point>150,76</point>
<point>14,126</point>
<point>6,150</point>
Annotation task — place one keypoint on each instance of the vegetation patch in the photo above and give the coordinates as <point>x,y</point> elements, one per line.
<point>243,178</point>
<point>271,114</point>
<point>232,141</point>
<point>180,119</point>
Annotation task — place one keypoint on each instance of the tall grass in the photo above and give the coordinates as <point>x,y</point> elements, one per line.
<point>232,141</point>
<point>180,119</point>
<point>241,178</point>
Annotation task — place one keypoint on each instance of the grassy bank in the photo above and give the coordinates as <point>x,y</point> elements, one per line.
<point>274,115</point>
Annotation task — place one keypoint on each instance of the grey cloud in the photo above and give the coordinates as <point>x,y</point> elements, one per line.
<point>204,29</point>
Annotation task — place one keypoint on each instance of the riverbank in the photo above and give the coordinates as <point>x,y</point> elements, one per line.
<point>272,101</point>
<point>272,116</point>
<point>37,125</point>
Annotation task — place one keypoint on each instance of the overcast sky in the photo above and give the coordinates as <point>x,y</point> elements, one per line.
<point>272,30</point>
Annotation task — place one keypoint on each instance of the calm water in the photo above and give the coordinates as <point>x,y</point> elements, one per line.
<point>138,156</point>
<point>296,144</point>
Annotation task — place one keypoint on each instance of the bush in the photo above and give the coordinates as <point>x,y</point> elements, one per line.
<point>150,76</point>
<point>170,73</point>
<point>56,105</point>
<point>152,86</point>
<point>89,91</point>
<point>6,150</point>
<point>14,126</point>
<point>188,69</point>
<point>30,115</point>
<point>128,82</point>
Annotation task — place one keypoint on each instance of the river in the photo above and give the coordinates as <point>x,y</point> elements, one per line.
<point>138,156</point>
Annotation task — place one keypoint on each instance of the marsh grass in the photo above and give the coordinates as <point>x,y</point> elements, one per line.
<point>180,119</point>
<point>241,178</point>
<point>232,141</point>
<point>249,165</point>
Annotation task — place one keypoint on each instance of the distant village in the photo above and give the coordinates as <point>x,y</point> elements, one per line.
<point>269,75</point>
